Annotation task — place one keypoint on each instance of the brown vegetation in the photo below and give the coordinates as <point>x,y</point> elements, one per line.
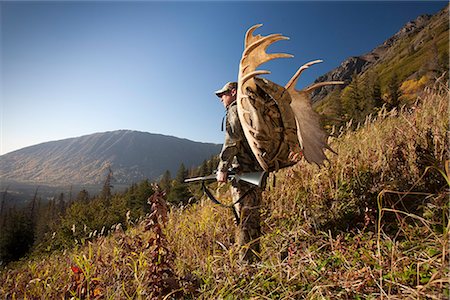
<point>371,224</point>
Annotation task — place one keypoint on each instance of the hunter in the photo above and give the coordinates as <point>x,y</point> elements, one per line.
<point>237,154</point>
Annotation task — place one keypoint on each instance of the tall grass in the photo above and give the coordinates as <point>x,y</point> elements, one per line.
<point>372,224</point>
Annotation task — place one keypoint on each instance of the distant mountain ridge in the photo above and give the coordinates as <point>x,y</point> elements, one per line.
<point>131,155</point>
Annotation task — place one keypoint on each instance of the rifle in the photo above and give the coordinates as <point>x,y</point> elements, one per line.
<point>258,179</point>
<point>255,178</point>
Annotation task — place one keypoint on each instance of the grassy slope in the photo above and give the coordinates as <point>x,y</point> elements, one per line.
<point>373,223</point>
<point>402,60</point>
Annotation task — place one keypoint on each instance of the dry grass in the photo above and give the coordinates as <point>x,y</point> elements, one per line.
<point>372,224</point>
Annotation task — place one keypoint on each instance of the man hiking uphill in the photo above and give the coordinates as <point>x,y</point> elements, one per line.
<point>236,154</point>
<point>268,127</point>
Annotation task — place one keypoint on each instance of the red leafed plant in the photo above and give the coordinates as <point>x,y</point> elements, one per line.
<point>162,279</point>
<point>79,285</point>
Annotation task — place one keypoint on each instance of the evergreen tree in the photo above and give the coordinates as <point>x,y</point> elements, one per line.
<point>33,204</point>
<point>212,164</point>
<point>70,196</point>
<point>165,182</point>
<point>46,222</point>
<point>107,186</point>
<point>17,235</point>
<point>204,168</point>
<point>143,192</point>
<point>192,172</point>
<point>179,194</point>
<point>83,196</point>
<point>61,204</point>
<point>135,198</point>
<point>51,208</point>
<point>3,203</point>
<point>330,110</point>
<point>394,91</point>
<point>81,222</point>
<point>181,174</point>
<point>353,100</point>
<point>376,92</point>
<point>3,208</point>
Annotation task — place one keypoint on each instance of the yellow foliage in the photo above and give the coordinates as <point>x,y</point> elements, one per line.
<point>411,88</point>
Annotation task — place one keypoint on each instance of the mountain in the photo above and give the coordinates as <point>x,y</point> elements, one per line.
<point>411,46</point>
<point>131,155</point>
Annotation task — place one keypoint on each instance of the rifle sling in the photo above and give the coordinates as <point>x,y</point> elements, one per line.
<point>232,206</point>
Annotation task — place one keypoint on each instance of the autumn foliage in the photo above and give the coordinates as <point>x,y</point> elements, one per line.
<point>371,224</point>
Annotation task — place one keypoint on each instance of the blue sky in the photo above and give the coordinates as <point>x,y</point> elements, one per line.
<point>74,68</point>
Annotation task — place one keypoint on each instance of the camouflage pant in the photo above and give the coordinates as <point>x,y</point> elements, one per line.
<point>249,227</point>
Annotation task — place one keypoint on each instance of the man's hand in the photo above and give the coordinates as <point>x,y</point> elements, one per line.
<point>221,176</point>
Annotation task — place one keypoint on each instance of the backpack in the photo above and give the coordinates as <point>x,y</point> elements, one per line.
<point>278,122</point>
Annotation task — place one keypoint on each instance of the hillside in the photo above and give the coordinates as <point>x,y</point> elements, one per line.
<point>131,155</point>
<point>419,45</point>
<point>373,223</point>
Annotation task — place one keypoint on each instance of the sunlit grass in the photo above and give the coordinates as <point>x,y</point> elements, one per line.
<point>372,224</point>
<point>327,235</point>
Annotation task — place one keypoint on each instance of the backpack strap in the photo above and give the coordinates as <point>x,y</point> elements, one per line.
<point>224,119</point>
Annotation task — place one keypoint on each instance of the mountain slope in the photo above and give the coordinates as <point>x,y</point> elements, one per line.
<point>374,221</point>
<point>132,156</point>
<point>406,52</point>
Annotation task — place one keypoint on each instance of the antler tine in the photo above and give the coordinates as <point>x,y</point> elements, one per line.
<point>264,42</point>
<point>255,54</point>
<point>253,74</point>
<point>317,61</point>
<point>249,38</point>
<point>321,84</point>
<point>293,81</point>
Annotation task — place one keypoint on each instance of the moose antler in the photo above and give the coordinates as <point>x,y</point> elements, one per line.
<point>290,86</point>
<point>255,55</point>
<point>310,134</point>
<point>278,122</point>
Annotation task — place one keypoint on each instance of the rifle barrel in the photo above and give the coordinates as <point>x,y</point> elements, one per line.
<point>203,178</point>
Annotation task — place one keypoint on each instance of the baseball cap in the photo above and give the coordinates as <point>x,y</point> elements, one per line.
<point>227,87</point>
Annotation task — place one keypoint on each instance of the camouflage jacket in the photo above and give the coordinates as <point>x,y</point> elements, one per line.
<point>236,151</point>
